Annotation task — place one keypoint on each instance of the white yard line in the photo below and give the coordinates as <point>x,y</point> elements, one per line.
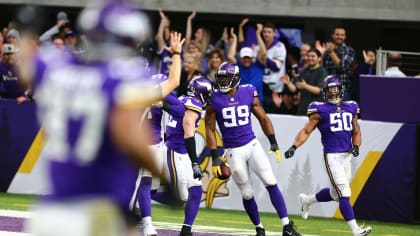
<point>157,224</point>
<point>6,233</point>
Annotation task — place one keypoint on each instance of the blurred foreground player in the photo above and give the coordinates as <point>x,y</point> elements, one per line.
<point>341,138</point>
<point>90,110</point>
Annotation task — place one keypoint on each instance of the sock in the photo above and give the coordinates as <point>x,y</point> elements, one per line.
<point>278,202</point>
<point>353,225</point>
<point>346,209</point>
<point>324,195</point>
<point>144,198</point>
<point>146,220</point>
<point>251,209</point>
<point>193,204</point>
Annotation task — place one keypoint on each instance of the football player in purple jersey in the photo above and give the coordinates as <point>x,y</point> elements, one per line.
<point>147,183</point>
<point>183,167</point>
<point>341,138</point>
<point>90,109</point>
<point>231,107</point>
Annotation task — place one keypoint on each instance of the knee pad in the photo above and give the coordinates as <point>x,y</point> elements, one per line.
<point>246,191</point>
<point>344,189</point>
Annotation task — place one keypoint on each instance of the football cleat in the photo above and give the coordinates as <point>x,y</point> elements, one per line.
<point>185,231</point>
<point>304,209</point>
<point>290,230</point>
<point>260,231</point>
<point>363,231</point>
<point>149,230</point>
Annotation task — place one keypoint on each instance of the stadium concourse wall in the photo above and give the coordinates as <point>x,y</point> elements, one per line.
<point>383,186</point>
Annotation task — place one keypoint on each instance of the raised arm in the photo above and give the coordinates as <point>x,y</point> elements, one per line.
<point>164,22</point>
<point>233,45</point>
<point>262,53</point>
<point>188,30</point>
<point>175,71</point>
<point>241,34</point>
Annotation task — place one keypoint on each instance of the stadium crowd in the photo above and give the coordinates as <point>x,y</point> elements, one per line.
<point>286,78</point>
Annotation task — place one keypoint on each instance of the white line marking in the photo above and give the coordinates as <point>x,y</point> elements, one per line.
<point>157,224</point>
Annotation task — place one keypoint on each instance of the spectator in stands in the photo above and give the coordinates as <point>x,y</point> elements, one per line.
<point>191,68</point>
<point>216,58</point>
<point>284,103</point>
<point>57,41</point>
<point>275,66</point>
<point>250,71</point>
<point>366,67</point>
<point>71,42</point>
<point>13,37</point>
<point>202,36</point>
<point>304,48</point>
<point>223,42</point>
<point>9,84</point>
<point>338,58</point>
<point>394,61</point>
<point>162,37</point>
<point>62,20</point>
<point>309,82</point>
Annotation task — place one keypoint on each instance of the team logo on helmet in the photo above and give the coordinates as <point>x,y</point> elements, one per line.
<point>201,88</point>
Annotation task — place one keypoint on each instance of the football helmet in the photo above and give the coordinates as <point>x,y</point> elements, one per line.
<point>333,89</point>
<point>201,88</point>
<point>227,77</point>
<point>113,22</point>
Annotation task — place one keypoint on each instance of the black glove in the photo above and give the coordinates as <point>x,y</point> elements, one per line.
<point>290,152</point>
<point>354,150</point>
<point>197,170</point>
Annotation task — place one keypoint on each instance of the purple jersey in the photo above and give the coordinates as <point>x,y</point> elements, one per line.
<point>9,84</point>
<point>233,115</point>
<point>74,103</point>
<point>174,127</point>
<point>336,124</point>
<point>165,61</point>
<point>172,105</point>
<point>155,119</point>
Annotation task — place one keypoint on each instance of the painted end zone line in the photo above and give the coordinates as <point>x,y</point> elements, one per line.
<point>6,233</point>
<point>157,224</point>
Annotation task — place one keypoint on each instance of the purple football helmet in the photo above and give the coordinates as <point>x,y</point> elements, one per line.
<point>113,22</point>
<point>227,77</point>
<point>333,91</point>
<point>201,88</point>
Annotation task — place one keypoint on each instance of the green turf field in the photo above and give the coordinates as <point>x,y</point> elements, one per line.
<point>239,220</point>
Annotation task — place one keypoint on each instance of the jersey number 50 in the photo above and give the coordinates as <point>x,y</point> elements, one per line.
<point>341,121</point>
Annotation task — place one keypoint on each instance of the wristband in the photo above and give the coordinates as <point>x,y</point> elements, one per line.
<point>214,154</point>
<point>175,53</point>
<point>272,139</point>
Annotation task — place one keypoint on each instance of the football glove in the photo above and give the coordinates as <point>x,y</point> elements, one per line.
<point>354,150</point>
<point>197,171</point>
<point>274,147</point>
<point>216,166</point>
<point>290,152</point>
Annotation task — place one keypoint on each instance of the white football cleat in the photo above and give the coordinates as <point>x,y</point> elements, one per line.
<point>304,209</point>
<point>149,230</point>
<point>363,231</point>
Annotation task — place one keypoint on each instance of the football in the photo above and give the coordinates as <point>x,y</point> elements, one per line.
<point>225,172</point>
